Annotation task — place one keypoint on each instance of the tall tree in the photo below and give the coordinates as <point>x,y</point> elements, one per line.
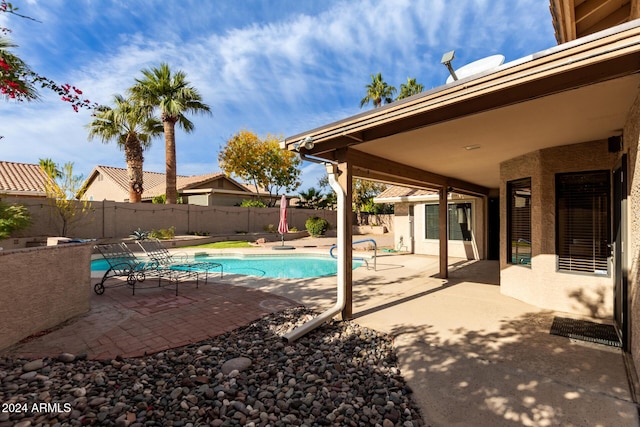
<point>130,125</point>
<point>261,162</point>
<point>378,91</point>
<point>174,97</point>
<point>411,87</point>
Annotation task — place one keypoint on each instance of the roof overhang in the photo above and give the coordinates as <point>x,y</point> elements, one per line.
<point>573,19</point>
<point>458,134</point>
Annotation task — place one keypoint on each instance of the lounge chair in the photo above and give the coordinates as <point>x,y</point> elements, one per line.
<point>123,263</point>
<point>164,259</point>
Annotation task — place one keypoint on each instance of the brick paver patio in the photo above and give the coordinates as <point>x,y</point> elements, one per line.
<point>153,320</point>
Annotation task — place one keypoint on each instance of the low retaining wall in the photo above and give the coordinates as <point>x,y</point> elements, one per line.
<point>41,288</point>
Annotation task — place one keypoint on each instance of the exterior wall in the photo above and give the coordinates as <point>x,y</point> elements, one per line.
<point>410,232</point>
<point>41,288</point>
<point>104,189</point>
<point>118,219</point>
<point>631,142</point>
<point>403,228</point>
<point>541,284</point>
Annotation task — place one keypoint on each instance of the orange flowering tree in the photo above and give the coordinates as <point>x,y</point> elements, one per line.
<point>261,162</point>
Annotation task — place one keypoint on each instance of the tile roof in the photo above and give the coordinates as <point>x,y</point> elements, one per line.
<point>119,176</point>
<point>399,191</point>
<point>22,179</point>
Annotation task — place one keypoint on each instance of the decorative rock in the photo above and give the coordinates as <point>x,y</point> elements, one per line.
<point>66,357</point>
<point>340,374</point>
<point>236,364</point>
<point>34,365</point>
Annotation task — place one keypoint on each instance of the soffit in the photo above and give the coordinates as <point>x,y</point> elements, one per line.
<point>574,19</point>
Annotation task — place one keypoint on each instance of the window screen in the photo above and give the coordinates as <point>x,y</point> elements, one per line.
<point>519,222</point>
<point>582,221</point>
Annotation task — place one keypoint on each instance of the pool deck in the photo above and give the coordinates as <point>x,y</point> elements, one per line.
<point>471,355</point>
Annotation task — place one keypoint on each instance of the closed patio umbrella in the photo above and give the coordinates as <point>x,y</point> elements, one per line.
<point>283,227</point>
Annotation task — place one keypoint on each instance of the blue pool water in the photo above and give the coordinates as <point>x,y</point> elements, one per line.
<point>276,266</point>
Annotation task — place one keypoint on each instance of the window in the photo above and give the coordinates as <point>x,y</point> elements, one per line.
<point>459,221</point>
<point>519,222</point>
<point>582,221</point>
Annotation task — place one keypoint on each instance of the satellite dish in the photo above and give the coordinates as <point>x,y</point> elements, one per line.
<point>477,67</point>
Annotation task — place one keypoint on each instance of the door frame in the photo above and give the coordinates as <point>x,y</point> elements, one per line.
<point>619,238</point>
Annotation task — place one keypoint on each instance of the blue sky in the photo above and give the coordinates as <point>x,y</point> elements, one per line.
<point>271,66</point>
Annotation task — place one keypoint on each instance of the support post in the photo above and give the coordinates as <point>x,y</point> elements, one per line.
<point>443,215</point>
<point>345,180</point>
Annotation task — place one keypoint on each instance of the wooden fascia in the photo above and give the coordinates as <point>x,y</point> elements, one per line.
<point>368,166</point>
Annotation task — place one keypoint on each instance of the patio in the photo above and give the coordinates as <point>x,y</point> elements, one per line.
<point>471,355</point>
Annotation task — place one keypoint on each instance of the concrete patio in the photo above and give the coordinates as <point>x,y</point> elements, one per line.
<point>471,355</point>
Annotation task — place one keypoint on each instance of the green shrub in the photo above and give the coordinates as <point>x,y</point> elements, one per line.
<point>253,204</point>
<point>13,218</point>
<point>159,200</point>
<point>270,228</point>
<point>316,226</point>
<point>163,233</point>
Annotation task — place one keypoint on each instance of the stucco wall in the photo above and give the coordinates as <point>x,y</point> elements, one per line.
<point>102,188</point>
<point>631,141</point>
<point>541,284</point>
<point>116,219</point>
<point>41,288</point>
<point>403,231</point>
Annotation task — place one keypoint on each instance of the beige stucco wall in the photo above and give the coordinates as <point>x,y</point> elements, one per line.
<point>404,229</point>
<point>102,188</point>
<point>631,142</point>
<point>541,284</point>
<point>41,288</point>
<point>116,219</point>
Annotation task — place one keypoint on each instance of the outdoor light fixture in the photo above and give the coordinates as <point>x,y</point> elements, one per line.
<point>446,60</point>
<point>306,143</point>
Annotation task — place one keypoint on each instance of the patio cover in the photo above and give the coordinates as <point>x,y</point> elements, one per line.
<point>454,137</point>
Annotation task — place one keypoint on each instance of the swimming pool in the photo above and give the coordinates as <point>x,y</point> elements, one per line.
<point>275,266</point>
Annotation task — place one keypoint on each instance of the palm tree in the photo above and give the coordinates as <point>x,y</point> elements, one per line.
<point>131,126</point>
<point>50,168</point>
<point>411,87</point>
<point>174,96</point>
<point>377,91</point>
<point>311,198</point>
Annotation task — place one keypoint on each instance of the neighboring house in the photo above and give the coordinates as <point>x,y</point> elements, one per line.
<point>416,225</point>
<point>110,183</point>
<point>22,179</point>
<point>547,146</point>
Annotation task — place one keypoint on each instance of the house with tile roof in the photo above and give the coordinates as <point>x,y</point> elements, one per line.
<point>22,179</point>
<point>111,183</point>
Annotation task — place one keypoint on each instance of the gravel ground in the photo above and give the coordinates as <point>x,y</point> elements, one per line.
<point>340,375</point>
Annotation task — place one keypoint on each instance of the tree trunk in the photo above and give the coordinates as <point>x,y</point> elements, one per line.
<point>134,158</point>
<point>170,157</point>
